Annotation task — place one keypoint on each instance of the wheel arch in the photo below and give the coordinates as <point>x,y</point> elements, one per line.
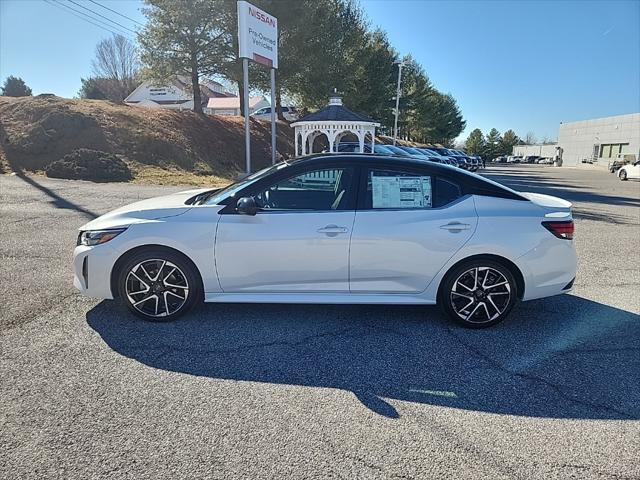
<point>513,268</point>
<point>117,266</point>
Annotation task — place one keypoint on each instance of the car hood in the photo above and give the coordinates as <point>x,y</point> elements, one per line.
<point>145,210</point>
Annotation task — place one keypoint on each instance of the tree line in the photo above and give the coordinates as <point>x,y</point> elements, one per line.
<point>323,44</point>
<point>494,144</point>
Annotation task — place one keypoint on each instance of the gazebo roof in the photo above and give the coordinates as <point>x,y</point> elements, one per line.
<point>335,111</point>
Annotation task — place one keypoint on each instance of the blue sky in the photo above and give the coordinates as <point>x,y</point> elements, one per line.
<point>526,65</point>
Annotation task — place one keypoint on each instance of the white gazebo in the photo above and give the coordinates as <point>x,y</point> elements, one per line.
<point>334,122</point>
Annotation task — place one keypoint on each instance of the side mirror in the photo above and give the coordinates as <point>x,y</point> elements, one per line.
<point>247,206</point>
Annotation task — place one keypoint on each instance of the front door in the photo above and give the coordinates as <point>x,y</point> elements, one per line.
<point>408,225</point>
<point>297,242</point>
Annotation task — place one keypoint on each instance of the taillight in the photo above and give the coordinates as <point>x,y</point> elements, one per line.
<point>562,230</point>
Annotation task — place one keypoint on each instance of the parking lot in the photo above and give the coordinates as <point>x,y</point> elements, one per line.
<point>316,391</point>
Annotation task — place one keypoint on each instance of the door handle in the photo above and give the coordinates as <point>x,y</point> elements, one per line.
<point>455,227</point>
<point>332,230</point>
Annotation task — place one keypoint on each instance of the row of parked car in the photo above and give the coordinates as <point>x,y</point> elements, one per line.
<point>446,156</point>
<point>521,159</point>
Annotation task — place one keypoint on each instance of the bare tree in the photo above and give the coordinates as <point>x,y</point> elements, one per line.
<point>530,139</point>
<point>116,64</point>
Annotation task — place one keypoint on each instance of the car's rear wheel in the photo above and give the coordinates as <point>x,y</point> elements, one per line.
<point>478,293</point>
<point>622,174</point>
<point>158,285</point>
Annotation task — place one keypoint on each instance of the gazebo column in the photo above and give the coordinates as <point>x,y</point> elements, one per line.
<point>332,135</point>
<point>295,154</point>
<point>361,135</point>
<point>373,140</point>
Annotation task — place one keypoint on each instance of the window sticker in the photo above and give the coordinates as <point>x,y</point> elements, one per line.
<point>401,191</point>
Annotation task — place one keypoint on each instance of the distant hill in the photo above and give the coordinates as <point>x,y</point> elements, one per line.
<point>158,146</point>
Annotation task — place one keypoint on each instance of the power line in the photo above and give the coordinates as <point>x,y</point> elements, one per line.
<point>65,7</point>
<point>102,16</point>
<point>86,17</point>
<point>117,13</point>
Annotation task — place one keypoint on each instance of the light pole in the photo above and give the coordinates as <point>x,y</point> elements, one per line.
<point>400,64</point>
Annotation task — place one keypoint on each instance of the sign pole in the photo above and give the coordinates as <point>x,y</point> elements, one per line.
<point>257,41</point>
<point>273,116</point>
<point>245,94</point>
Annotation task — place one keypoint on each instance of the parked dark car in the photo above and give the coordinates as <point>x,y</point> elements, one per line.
<point>454,159</point>
<point>354,147</point>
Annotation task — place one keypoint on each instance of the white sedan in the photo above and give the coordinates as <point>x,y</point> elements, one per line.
<point>629,171</point>
<point>334,229</point>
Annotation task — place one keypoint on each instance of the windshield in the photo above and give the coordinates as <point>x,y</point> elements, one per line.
<point>431,152</point>
<point>216,197</point>
<point>395,149</point>
<point>414,151</point>
<point>382,149</point>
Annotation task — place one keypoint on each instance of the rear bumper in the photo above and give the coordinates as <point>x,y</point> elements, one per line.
<point>549,269</point>
<point>92,270</point>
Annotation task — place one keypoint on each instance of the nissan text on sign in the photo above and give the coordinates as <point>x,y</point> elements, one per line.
<point>257,35</point>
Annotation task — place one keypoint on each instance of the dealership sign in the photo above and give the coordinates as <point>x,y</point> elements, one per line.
<point>257,35</point>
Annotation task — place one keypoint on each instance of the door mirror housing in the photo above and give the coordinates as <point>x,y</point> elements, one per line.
<point>247,206</point>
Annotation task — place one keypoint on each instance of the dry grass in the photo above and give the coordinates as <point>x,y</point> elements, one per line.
<point>160,146</point>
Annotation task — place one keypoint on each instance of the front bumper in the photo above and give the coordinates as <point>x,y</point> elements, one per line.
<point>92,270</point>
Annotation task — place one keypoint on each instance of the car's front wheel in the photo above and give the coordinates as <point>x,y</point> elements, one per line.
<point>478,293</point>
<point>622,174</point>
<point>158,285</point>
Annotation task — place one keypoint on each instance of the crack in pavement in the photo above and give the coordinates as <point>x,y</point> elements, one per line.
<point>497,365</point>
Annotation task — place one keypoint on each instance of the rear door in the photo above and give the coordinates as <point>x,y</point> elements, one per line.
<point>408,224</point>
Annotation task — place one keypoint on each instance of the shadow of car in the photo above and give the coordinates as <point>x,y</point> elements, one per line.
<point>566,357</point>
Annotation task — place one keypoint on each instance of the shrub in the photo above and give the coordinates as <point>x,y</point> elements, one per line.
<point>94,165</point>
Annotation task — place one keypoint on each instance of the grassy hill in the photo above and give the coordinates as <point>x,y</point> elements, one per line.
<point>158,146</point>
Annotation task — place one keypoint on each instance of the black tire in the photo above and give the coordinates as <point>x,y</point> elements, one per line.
<point>495,308</point>
<point>622,175</point>
<point>175,278</point>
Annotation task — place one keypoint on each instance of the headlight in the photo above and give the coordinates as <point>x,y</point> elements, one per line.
<point>96,237</point>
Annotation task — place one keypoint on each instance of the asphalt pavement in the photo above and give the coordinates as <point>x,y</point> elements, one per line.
<point>316,391</point>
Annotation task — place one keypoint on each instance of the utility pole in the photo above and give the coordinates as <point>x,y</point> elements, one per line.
<point>400,64</point>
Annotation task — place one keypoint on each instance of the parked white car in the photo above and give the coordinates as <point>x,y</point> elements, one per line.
<point>383,230</point>
<point>289,113</point>
<point>629,171</point>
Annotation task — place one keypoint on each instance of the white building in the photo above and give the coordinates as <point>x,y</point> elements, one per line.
<point>540,150</point>
<point>231,105</point>
<point>175,95</point>
<point>596,141</point>
<point>599,139</point>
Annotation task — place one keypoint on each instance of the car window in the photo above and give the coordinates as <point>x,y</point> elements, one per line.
<point>445,192</point>
<point>319,190</point>
<point>392,189</point>
<point>217,197</point>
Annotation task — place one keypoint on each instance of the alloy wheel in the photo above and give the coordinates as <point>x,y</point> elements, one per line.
<point>156,287</point>
<point>480,295</point>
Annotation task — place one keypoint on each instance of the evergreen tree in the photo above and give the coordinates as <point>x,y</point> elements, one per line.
<point>183,37</point>
<point>475,144</point>
<point>15,87</point>
<point>509,140</point>
<point>493,141</point>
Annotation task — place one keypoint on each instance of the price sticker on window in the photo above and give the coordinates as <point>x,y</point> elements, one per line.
<point>401,191</point>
